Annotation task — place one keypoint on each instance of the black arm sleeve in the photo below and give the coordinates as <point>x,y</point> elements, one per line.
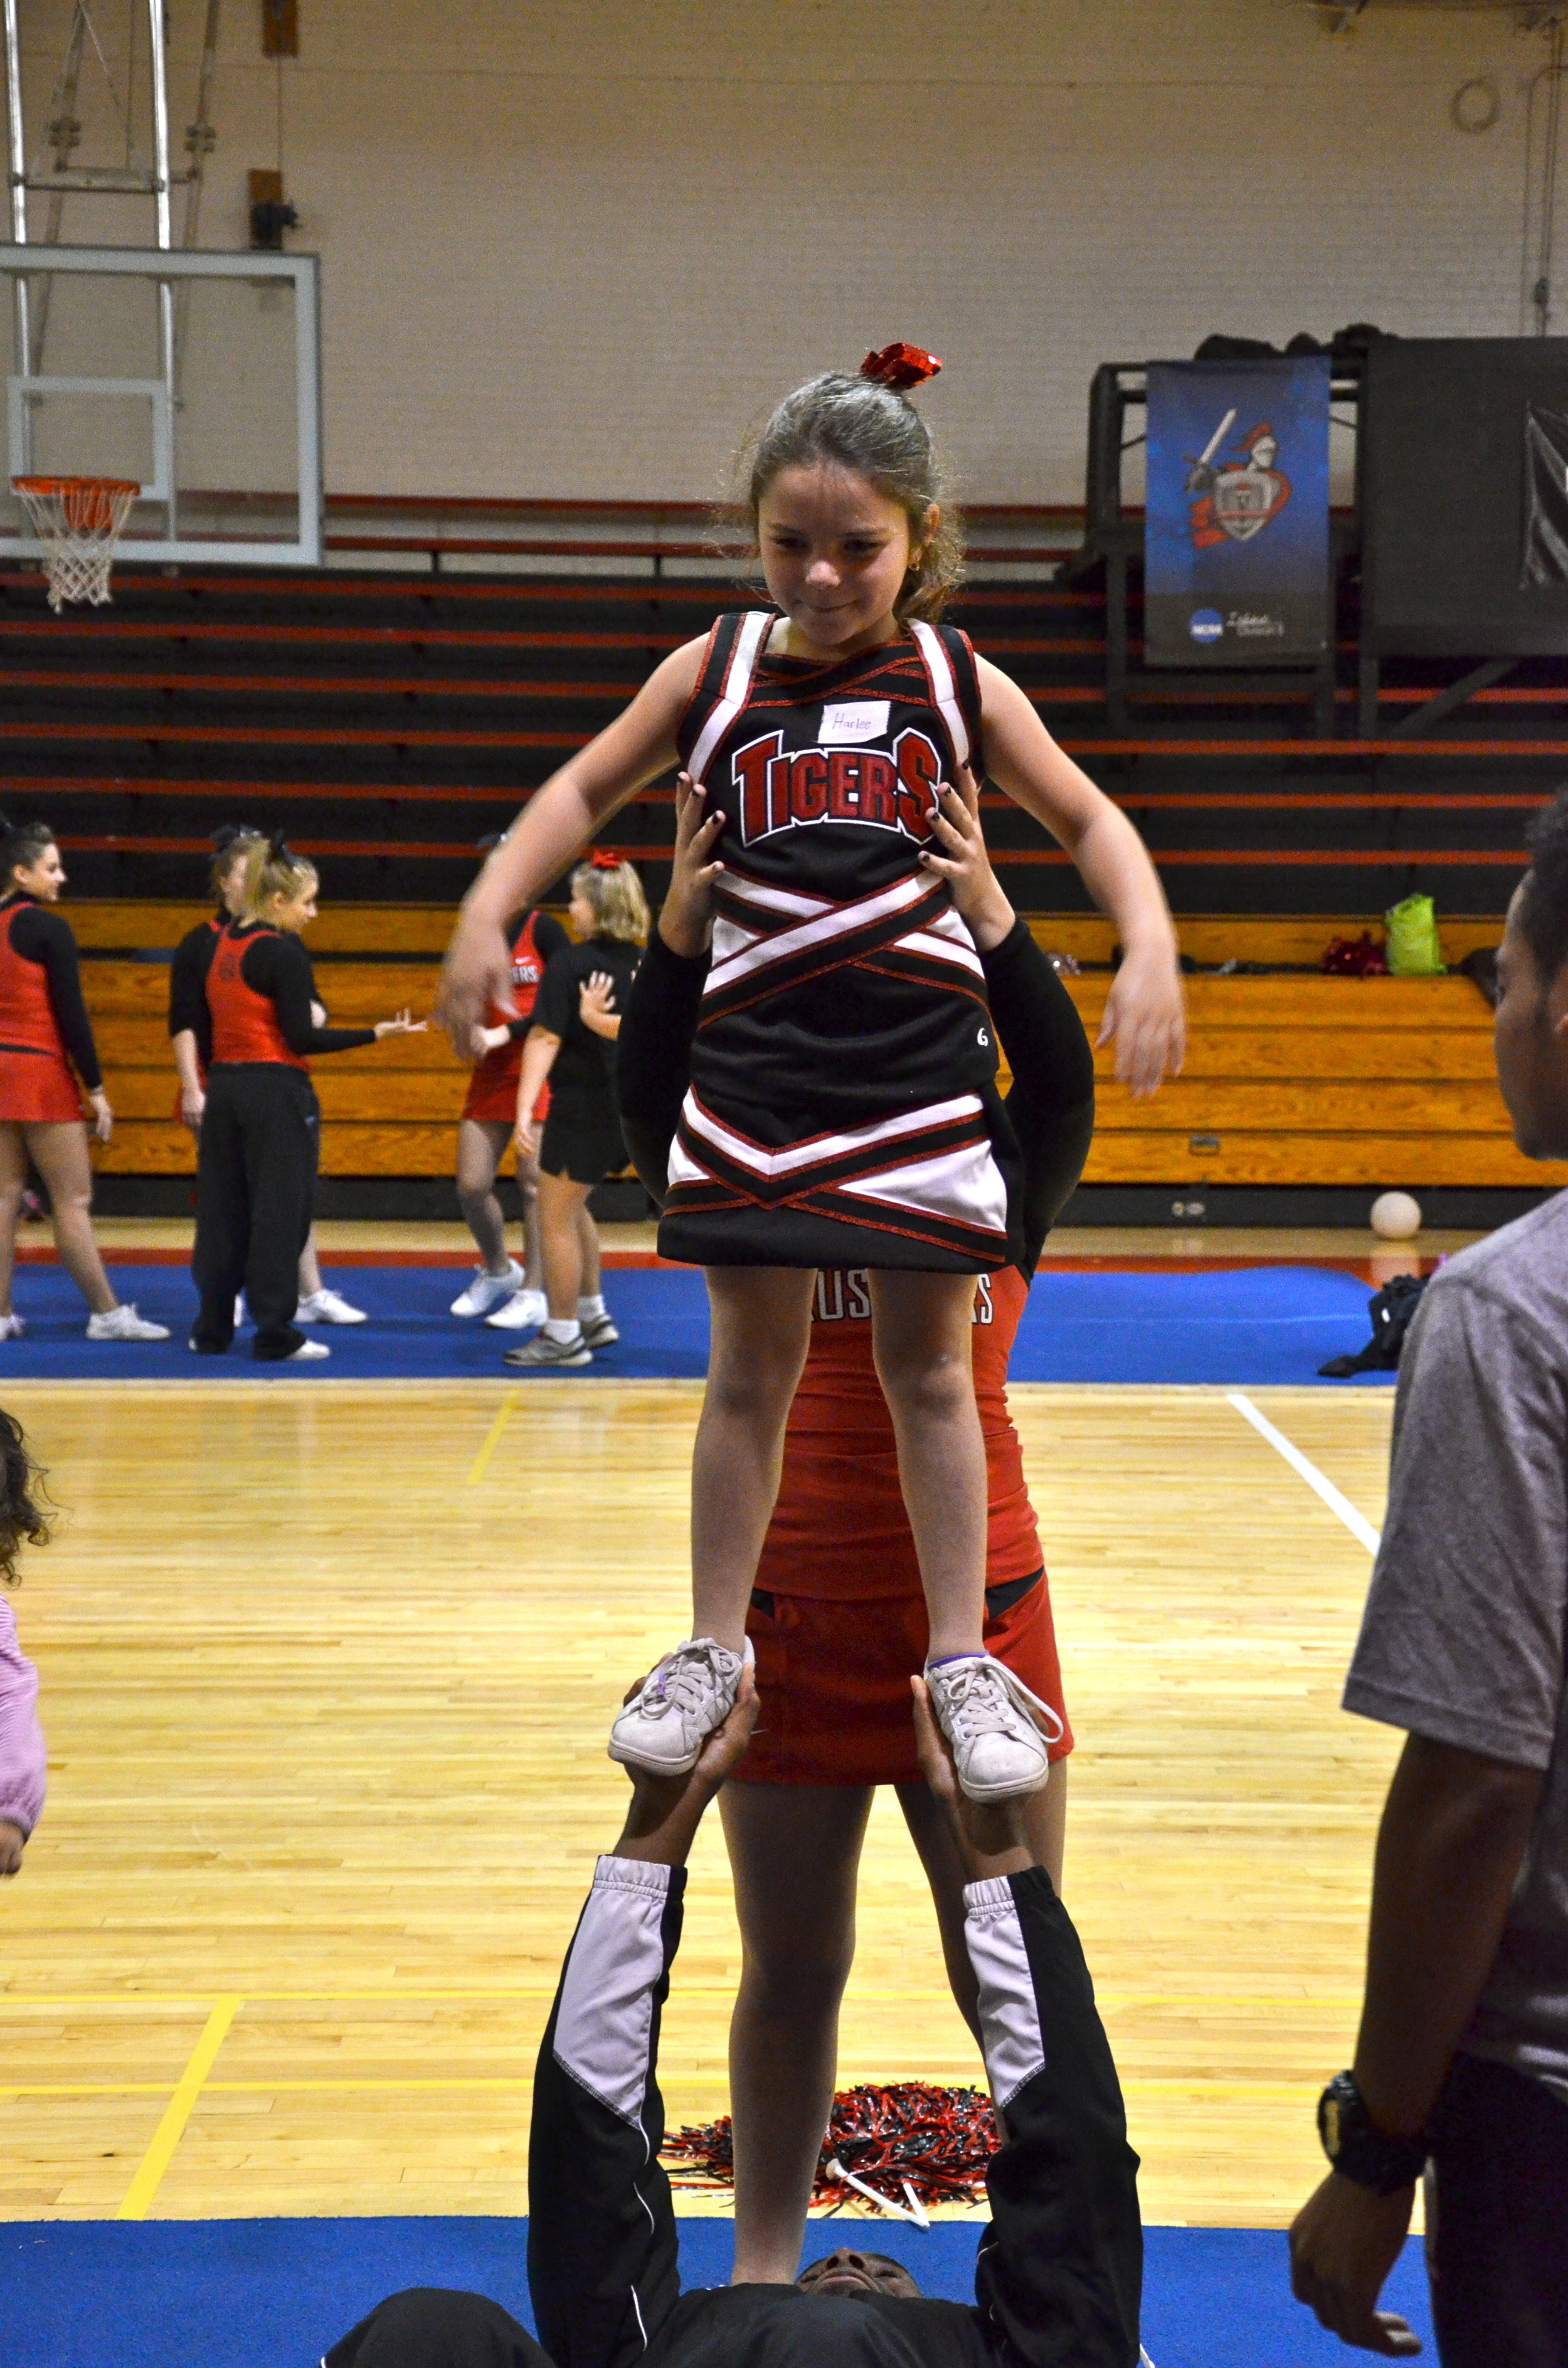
<point>550,938</point>
<point>281,967</point>
<point>653,1061</point>
<point>602,2244</point>
<point>555,1005</point>
<point>45,937</point>
<point>1060,2272</point>
<point>1051,1103</point>
<point>188,989</point>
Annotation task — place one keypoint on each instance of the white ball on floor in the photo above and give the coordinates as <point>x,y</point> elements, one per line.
<point>1395,1215</point>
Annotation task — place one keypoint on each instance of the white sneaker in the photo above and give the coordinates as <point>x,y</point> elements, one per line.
<point>486,1289</point>
<point>325,1306</point>
<point>524,1312</point>
<point>692,1691</point>
<point>599,1331</point>
<point>309,1352</point>
<point>124,1323</point>
<point>542,1350</point>
<point>11,1327</point>
<point>994,1723</point>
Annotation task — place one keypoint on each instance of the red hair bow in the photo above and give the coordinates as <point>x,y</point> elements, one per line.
<point>601,860</point>
<point>900,367</point>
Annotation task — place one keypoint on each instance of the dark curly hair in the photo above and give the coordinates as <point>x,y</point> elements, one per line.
<point>23,1520</point>
<point>1543,906</point>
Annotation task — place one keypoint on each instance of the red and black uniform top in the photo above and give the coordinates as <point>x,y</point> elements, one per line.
<point>843,1106</point>
<point>43,1015</point>
<point>534,938</point>
<point>259,990</point>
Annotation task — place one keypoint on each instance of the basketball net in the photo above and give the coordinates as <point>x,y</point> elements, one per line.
<point>77,520</point>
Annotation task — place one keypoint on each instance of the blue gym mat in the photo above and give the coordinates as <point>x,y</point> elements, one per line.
<point>1244,1327</point>
<point>275,2294</point>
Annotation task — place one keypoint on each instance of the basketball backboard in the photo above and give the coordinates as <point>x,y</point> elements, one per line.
<point>198,374</point>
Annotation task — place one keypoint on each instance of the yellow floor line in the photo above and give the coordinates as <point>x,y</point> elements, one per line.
<point>493,1436</point>
<point>171,2129</point>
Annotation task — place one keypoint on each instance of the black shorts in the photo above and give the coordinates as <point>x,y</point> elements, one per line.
<point>584,1144</point>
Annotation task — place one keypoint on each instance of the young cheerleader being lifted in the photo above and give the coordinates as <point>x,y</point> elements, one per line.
<point>842,1110</point>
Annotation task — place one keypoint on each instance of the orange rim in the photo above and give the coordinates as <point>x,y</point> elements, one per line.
<point>75,484</point>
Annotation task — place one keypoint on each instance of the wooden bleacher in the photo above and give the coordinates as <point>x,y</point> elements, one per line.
<point>1290,1080</point>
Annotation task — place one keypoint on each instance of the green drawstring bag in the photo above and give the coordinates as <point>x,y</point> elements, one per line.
<point>1410,945</point>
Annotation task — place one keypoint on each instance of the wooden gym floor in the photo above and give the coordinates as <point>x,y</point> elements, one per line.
<point>326,1670</point>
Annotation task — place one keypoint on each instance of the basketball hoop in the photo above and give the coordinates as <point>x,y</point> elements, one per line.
<point>79,521</point>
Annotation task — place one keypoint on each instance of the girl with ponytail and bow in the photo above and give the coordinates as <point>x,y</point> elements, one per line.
<point>843,1109</point>
<point>260,1126</point>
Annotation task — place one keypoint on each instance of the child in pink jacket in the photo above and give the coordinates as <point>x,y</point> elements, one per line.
<point>21,1737</point>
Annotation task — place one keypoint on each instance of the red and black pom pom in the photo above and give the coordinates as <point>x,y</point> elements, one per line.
<point>938,2140</point>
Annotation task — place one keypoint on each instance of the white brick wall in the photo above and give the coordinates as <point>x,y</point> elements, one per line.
<point>570,246</point>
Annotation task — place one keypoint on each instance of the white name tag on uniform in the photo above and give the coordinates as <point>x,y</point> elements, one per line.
<point>854,720</point>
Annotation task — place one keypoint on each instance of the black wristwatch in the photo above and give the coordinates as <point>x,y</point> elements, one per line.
<point>1355,2145</point>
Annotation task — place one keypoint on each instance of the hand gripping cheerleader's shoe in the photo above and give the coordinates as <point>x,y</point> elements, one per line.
<point>1001,1734</point>
<point>664,1726</point>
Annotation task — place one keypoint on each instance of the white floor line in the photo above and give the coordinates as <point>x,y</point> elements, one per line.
<point>1357,1523</point>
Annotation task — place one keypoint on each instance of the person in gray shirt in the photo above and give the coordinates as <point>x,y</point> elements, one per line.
<point>1462,2062</point>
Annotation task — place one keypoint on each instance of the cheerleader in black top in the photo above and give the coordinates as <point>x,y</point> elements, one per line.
<point>843,1108</point>
<point>571,1043</point>
<point>46,1047</point>
<point>260,1128</point>
<point>191,1035</point>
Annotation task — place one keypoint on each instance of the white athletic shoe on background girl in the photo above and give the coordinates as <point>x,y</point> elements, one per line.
<point>524,1312</point>
<point>11,1327</point>
<point>325,1306</point>
<point>124,1323</point>
<point>479,1296</point>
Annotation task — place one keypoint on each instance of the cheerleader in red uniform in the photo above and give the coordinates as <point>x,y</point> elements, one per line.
<point>837,1619</point>
<point>501,1290</point>
<point>46,1046</point>
<point>190,1034</point>
<point>843,1109</point>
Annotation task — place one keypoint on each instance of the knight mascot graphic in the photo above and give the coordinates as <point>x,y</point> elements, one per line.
<point>1233,500</point>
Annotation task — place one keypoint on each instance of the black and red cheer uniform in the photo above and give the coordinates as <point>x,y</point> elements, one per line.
<point>45,1033</point>
<point>843,1109</point>
<point>260,1136</point>
<point>492,1086</point>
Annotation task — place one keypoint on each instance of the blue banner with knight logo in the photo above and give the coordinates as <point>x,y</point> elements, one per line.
<point>1235,539</point>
